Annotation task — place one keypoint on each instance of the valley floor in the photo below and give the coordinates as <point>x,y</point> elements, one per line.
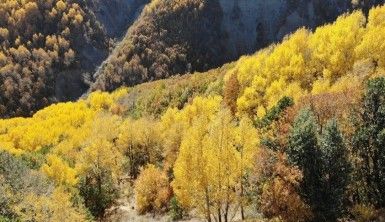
<point>125,212</point>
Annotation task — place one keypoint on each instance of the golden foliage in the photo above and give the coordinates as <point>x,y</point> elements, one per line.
<point>38,39</point>
<point>59,171</point>
<point>280,198</point>
<point>152,190</point>
<point>212,159</point>
<point>51,208</point>
<point>208,150</point>
<point>327,60</point>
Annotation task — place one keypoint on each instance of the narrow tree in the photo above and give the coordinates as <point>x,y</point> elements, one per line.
<point>369,145</point>
<point>247,144</point>
<point>336,171</point>
<point>303,151</point>
<point>231,93</point>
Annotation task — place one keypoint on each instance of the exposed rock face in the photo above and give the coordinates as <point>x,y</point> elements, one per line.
<point>252,24</point>
<point>116,15</point>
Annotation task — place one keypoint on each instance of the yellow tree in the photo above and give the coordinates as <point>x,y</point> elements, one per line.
<point>59,171</point>
<point>152,190</point>
<point>333,46</point>
<point>372,45</point>
<point>207,169</point>
<point>139,140</point>
<point>174,123</point>
<point>247,142</point>
<point>191,183</point>
<point>100,165</point>
<point>172,130</point>
<point>53,207</point>
<point>282,72</point>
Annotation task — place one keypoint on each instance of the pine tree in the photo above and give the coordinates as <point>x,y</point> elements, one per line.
<point>336,170</point>
<point>303,151</point>
<point>369,145</point>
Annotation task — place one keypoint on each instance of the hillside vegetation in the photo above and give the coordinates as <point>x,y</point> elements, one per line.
<point>178,37</point>
<point>170,37</point>
<point>50,49</point>
<point>40,39</point>
<point>295,132</point>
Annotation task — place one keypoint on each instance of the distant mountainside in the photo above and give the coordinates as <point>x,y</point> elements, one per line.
<point>45,48</point>
<point>177,37</point>
<point>48,47</point>
<point>169,37</point>
<point>55,50</point>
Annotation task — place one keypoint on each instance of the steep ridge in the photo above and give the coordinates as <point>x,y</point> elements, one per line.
<point>49,48</point>
<point>169,37</point>
<point>237,27</point>
<point>43,44</point>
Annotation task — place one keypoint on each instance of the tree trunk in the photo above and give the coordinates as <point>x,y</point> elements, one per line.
<point>242,210</point>
<point>208,213</point>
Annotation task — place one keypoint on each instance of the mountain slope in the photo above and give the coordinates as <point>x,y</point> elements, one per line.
<point>243,113</point>
<point>49,48</point>
<point>164,41</point>
<point>40,42</point>
<point>169,37</point>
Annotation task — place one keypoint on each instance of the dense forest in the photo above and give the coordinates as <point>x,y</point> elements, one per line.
<point>293,132</point>
<point>171,37</point>
<point>58,50</point>
<point>41,40</point>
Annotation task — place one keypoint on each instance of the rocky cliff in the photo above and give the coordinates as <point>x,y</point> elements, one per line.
<point>116,15</point>
<point>252,24</point>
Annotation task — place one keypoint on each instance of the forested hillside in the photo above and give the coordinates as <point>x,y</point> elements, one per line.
<point>40,41</point>
<point>294,132</point>
<point>177,37</point>
<point>170,37</point>
<point>50,50</point>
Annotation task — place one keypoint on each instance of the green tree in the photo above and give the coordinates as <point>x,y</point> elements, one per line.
<point>100,165</point>
<point>274,113</point>
<point>336,170</point>
<point>369,145</point>
<point>304,152</point>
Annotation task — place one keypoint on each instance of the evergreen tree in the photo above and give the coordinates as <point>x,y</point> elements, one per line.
<point>275,112</point>
<point>304,152</point>
<point>369,145</point>
<point>336,170</point>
